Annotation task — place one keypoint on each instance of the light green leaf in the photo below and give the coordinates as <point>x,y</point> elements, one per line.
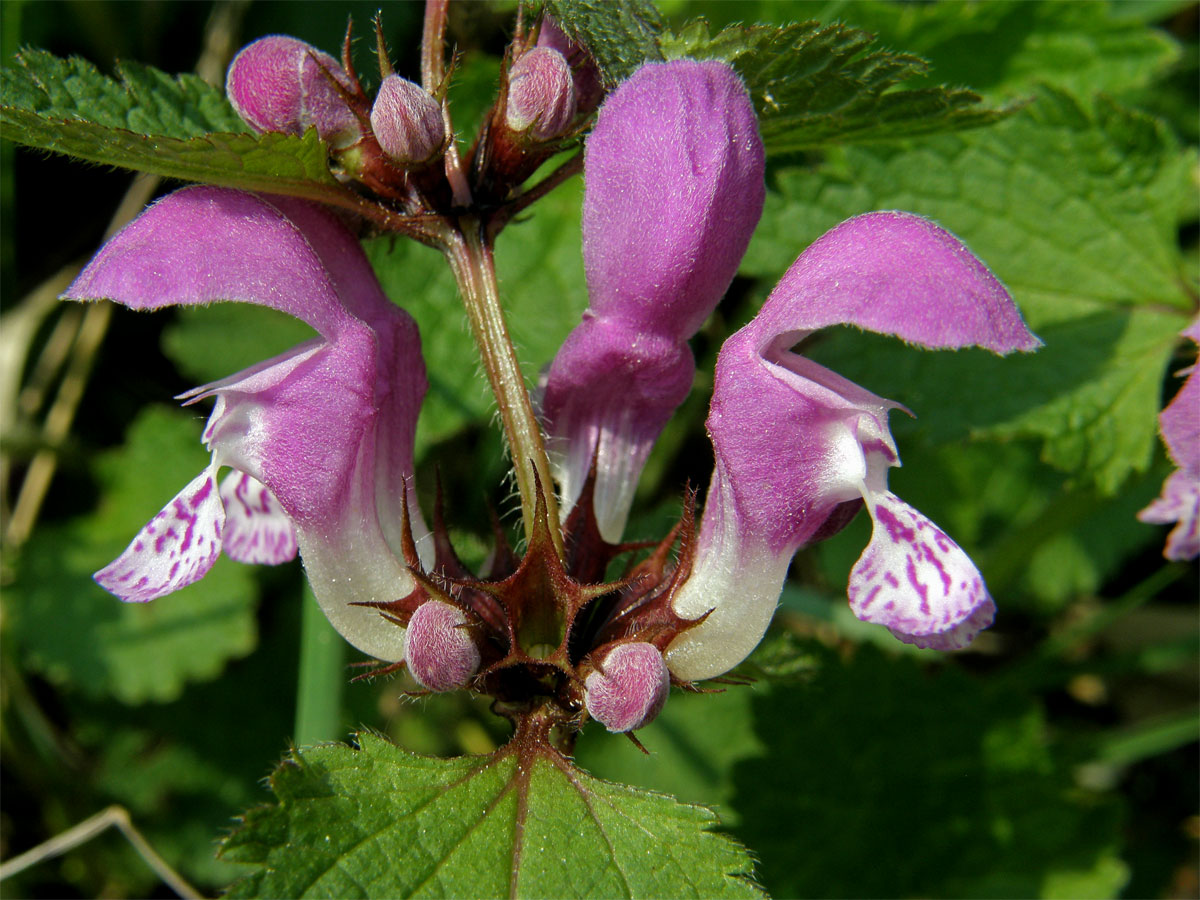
<point>77,634</point>
<point>377,821</point>
<point>150,122</point>
<point>1005,48</point>
<point>620,34</point>
<point>1077,213</point>
<point>145,100</point>
<point>814,85</point>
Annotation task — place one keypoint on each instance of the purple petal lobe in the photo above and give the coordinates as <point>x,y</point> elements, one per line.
<point>256,528</point>
<point>1180,499</point>
<point>895,273</point>
<point>175,548</point>
<point>279,83</point>
<point>1179,504</point>
<point>916,581</point>
<point>439,650</point>
<point>673,178</point>
<point>204,244</point>
<point>629,689</point>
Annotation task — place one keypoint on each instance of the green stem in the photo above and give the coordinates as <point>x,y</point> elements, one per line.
<point>322,674</point>
<point>471,258</point>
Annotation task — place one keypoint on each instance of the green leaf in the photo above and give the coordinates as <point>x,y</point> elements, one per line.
<point>620,34</point>
<point>377,821</point>
<point>150,122</point>
<point>1006,48</point>
<point>77,634</point>
<point>814,85</point>
<point>1077,212</point>
<point>145,100</point>
<point>693,746</point>
<point>948,785</point>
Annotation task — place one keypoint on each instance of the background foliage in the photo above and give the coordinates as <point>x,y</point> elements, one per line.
<point>1057,759</point>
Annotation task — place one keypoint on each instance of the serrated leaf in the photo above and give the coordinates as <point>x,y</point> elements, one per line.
<point>1005,49</point>
<point>815,84</point>
<point>620,34</point>
<point>145,100</point>
<point>1076,211</point>
<point>76,634</point>
<point>150,122</point>
<point>950,786</point>
<point>377,821</point>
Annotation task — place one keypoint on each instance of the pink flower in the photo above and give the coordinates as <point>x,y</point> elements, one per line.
<point>319,440</point>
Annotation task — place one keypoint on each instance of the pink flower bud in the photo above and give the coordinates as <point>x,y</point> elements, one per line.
<point>631,689</point>
<point>589,89</point>
<point>279,83</point>
<point>541,94</point>
<point>407,121</point>
<point>440,652</point>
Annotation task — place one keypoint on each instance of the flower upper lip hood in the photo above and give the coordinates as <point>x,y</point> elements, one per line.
<point>673,187</point>
<point>797,446</point>
<point>320,439</point>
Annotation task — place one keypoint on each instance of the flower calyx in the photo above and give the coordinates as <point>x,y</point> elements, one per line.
<point>546,636</point>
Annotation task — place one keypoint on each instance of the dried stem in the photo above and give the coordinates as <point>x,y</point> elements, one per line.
<point>113,816</point>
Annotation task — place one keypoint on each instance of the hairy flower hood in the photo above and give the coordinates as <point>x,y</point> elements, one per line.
<point>319,440</point>
<point>799,448</point>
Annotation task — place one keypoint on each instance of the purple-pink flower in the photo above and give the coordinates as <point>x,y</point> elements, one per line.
<point>673,179</point>
<point>1179,503</point>
<point>318,441</point>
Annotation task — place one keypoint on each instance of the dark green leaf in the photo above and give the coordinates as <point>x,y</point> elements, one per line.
<point>150,122</point>
<point>620,34</point>
<point>377,821</point>
<point>905,782</point>
<point>814,85</point>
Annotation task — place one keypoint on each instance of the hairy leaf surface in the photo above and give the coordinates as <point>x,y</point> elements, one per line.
<point>377,821</point>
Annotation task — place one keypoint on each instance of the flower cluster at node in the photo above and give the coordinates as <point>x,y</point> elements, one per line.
<point>319,442</point>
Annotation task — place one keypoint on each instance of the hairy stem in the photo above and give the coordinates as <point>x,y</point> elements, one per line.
<point>470,256</point>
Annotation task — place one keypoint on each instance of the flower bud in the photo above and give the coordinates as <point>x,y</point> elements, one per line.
<point>589,89</point>
<point>629,689</point>
<point>279,83</point>
<point>440,653</point>
<point>541,94</point>
<point>407,121</point>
